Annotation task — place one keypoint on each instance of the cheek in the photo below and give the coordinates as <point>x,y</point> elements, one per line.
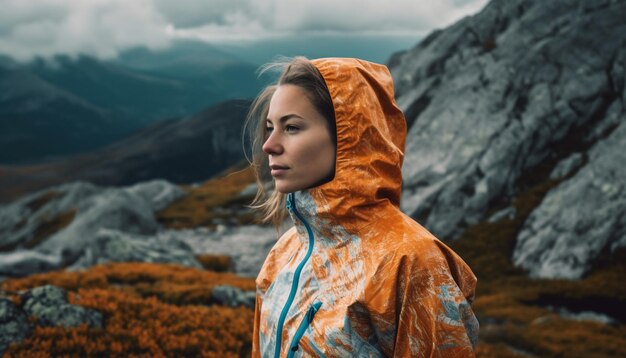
<point>319,155</point>
<point>328,154</point>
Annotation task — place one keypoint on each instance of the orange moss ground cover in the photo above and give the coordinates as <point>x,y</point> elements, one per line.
<point>214,200</point>
<point>215,263</point>
<point>151,310</point>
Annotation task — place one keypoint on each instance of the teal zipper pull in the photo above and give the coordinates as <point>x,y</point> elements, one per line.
<point>306,322</point>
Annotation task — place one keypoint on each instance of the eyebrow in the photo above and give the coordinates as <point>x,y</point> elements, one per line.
<point>285,117</point>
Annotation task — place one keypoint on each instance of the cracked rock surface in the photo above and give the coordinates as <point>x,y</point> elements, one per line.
<point>522,84</point>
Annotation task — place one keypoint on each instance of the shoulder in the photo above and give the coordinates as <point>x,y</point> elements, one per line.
<point>399,239</point>
<point>406,251</point>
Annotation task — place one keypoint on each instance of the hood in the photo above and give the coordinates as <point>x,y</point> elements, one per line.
<point>371,133</point>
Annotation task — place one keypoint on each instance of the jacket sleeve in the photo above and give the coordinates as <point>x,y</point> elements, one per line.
<point>434,316</point>
<point>256,350</point>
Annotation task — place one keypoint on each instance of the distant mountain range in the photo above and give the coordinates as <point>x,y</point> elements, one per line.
<point>53,108</point>
<point>184,150</point>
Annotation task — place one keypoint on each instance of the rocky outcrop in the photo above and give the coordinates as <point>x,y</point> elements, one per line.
<point>247,245</point>
<point>232,296</point>
<point>49,307</point>
<point>48,304</point>
<point>581,217</point>
<point>37,234</point>
<point>28,262</point>
<point>116,246</point>
<point>117,225</point>
<point>522,85</point>
<point>14,325</point>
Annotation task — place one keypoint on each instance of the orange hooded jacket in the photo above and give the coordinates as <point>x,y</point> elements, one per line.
<point>355,276</point>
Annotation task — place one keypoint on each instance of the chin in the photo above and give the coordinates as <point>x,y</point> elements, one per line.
<point>285,188</point>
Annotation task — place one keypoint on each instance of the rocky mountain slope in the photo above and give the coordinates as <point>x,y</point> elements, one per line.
<point>521,92</point>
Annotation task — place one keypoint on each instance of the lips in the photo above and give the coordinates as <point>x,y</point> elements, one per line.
<point>275,166</point>
<point>278,170</point>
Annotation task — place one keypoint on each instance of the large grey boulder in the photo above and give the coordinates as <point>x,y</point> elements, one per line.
<point>581,217</point>
<point>52,228</point>
<point>48,304</point>
<point>20,220</point>
<point>233,297</point>
<point>14,325</point>
<point>116,246</point>
<point>523,83</point>
<point>159,193</point>
<point>247,245</point>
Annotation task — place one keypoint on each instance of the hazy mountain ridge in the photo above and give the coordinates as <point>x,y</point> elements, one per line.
<point>184,150</point>
<point>59,106</point>
<point>39,120</point>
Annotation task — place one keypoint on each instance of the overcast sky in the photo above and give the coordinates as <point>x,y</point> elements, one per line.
<point>103,28</point>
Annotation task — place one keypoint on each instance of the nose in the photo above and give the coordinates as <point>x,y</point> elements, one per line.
<point>273,144</point>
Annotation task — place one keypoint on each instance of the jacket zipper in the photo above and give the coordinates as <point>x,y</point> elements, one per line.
<point>306,322</point>
<point>296,275</point>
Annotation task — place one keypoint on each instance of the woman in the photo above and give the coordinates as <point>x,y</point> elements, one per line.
<point>354,276</point>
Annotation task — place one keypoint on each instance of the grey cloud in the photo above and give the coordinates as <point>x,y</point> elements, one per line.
<point>99,28</point>
<point>104,28</point>
<point>303,16</point>
<point>195,13</point>
<point>14,14</point>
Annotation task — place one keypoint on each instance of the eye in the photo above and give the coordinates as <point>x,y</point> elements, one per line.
<point>269,129</point>
<point>291,128</point>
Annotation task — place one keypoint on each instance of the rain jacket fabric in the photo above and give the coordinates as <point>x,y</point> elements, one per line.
<point>355,276</point>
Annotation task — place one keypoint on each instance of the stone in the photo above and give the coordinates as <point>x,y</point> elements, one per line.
<point>580,218</point>
<point>232,296</point>
<point>117,246</point>
<point>130,210</point>
<point>14,325</point>
<point>567,166</point>
<point>48,304</point>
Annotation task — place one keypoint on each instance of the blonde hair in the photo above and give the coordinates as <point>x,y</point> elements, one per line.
<point>298,71</point>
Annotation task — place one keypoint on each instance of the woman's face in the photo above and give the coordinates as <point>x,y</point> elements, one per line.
<point>299,143</point>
